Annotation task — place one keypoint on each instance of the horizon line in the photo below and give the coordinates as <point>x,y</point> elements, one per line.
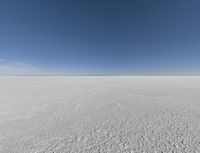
<point>101,75</point>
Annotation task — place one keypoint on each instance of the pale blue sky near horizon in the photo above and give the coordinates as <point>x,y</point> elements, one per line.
<point>102,37</point>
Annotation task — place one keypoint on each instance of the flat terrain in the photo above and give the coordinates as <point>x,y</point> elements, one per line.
<point>99,114</point>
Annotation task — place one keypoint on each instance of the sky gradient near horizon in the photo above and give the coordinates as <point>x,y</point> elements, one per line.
<point>48,37</point>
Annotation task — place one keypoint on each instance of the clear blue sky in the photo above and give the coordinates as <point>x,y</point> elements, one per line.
<point>100,37</point>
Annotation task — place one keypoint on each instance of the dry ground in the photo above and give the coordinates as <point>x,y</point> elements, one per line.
<point>99,114</point>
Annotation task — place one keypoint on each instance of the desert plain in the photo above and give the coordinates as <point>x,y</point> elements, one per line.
<point>100,114</point>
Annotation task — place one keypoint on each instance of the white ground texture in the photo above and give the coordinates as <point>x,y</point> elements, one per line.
<point>100,114</point>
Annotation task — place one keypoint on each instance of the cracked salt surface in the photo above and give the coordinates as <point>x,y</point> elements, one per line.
<point>1,139</point>
<point>100,114</point>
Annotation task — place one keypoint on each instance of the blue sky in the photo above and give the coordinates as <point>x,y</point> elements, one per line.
<point>138,37</point>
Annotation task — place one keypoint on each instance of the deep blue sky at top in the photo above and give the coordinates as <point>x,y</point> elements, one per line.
<point>102,36</point>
